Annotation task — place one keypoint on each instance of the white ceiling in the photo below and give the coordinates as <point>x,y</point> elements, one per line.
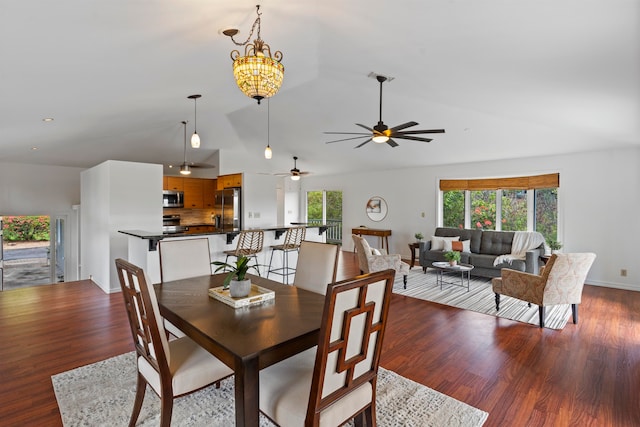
<point>506,79</point>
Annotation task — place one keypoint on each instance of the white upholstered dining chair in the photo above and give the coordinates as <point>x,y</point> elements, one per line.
<point>317,266</point>
<point>330,384</point>
<point>182,259</point>
<point>170,368</point>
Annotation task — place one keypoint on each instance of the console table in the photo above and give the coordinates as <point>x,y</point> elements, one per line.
<point>383,234</point>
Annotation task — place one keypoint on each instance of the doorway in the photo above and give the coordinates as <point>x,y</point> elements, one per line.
<point>325,207</point>
<point>32,251</point>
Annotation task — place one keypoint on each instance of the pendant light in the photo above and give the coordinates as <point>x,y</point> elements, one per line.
<point>195,138</point>
<point>267,151</point>
<point>184,167</point>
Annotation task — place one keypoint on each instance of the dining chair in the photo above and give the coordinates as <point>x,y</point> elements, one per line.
<point>171,368</point>
<point>182,259</point>
<point>292,239</point>
<point>336,381</point>
<point>317,266</point>
<point>249,244</point>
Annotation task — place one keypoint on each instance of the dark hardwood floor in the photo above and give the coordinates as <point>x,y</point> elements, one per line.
<point>585,375</point>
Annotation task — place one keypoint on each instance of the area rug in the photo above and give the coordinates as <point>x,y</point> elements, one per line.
<point>480,298</point>
<point>102,394</point>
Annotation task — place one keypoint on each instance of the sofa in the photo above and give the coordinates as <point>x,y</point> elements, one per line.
<point>480,249</point>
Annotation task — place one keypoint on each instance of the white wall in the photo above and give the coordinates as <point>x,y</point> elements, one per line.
<point>599,199</point>
<point>116,196</point>
<point>28,189</point>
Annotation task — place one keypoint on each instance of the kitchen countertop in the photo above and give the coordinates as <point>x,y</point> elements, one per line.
<point>231,233</point>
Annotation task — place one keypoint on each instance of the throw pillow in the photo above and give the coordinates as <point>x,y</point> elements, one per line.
<point>374,251</point>
<point>446,243</point>
<point>463,246</point>
<point>456,246</point>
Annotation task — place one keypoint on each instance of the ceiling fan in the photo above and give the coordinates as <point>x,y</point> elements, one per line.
<point>294,173</point>
<point>185,167</point>
<point>381,133</point>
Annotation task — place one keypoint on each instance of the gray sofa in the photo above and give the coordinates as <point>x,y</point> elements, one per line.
<point>485,246</point>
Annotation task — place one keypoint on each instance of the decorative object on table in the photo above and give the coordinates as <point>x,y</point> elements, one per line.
<point>381,133</point>
<point>238,285</point>
<point>554,245</point>
<point>376,208</point>
<point>452,256</point>
<point>258,74</point>
<point>419,236</point>
<point>256,295</point>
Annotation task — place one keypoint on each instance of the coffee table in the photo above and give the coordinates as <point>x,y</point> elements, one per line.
<point>445,268</point>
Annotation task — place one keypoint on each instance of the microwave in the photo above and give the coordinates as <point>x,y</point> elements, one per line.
<point>172,199</point>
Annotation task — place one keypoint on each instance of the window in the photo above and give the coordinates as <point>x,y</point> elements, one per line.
<point>325,207</point>
<point>507,204</point>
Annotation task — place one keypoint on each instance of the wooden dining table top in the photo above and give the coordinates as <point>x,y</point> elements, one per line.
<point>246,339</point>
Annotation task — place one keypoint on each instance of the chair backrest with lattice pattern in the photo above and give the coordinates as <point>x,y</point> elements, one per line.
<point>293,237</point>
<point>249,242</point>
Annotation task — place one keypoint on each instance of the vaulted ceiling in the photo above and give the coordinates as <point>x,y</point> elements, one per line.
<point>506,79</point>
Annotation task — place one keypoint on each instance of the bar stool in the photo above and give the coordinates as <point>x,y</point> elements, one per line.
<point>249,244</point>
<point>292,239</point>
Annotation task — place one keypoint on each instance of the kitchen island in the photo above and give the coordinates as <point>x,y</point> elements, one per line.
<point>143,244</point>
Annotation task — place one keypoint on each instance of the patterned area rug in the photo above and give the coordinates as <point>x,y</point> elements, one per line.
<point>480,298</point>
<point>102,394</point>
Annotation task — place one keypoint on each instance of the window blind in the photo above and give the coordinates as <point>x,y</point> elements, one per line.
<point>551,180</point>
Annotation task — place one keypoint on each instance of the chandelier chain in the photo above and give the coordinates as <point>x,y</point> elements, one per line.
<point>253,27</point>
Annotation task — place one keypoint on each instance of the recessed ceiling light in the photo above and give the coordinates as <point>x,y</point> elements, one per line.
<point>47,119</point>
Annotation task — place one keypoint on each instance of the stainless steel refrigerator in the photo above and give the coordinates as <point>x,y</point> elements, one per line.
<point>228,209</point>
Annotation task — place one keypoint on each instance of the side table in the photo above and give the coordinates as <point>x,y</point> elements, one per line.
<point>412,248</point>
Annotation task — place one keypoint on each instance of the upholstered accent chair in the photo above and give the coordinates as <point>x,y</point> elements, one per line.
<point>560,282</point>
<point>249,244</point>
<point>317,266</point>
<point>371,262</point>
<point>170,368</point>
<point>336,381</point>
<point>182,259</point>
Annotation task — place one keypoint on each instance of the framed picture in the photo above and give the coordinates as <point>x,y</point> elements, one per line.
<point>376,208</point>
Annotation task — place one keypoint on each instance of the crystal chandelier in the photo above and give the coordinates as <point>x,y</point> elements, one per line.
<point>258,74</point>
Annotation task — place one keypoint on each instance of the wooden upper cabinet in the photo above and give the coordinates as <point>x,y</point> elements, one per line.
<point>175,183</point>
<point>229,181</point>
<point>193,191</point>
<point>209,188</point>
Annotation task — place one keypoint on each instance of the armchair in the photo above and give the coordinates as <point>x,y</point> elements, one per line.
<point>370,262</point>
<point>560,282</point>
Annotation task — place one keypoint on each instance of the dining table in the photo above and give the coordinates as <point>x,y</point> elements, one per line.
<point>246,339</point>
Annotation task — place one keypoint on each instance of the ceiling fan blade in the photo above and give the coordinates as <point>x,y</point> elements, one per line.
<point>392,143</point>
<point>358,146</point>
<point>414,132</point>
<point>366,127</point>
<point>304,173</point>
<point>346,133</point>
<point>201,165</point>
<point>403,126</point>
<point>345,139</point>
<point>413,138</point>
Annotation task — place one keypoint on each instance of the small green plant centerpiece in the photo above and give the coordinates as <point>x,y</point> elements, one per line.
<point>453,257</point>
<point>554,245</point>
<point>419,236</point>
<point>236,282</point>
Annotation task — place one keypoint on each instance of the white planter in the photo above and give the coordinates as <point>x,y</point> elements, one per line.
<point>239,288</point>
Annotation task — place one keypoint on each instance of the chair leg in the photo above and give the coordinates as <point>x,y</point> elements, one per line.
<point>166,410</point>
<point>497,302</point>
<point>141,388</point>
<point>574,313</point>
<point>270,261</point>
<point>404,280</point>
<point>541,314</point>
<point>257,265</point>
<point>226,260</point>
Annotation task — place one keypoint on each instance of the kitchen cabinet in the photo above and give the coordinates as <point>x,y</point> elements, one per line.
<point>193,193</point>
<point>209,187</point>
<point>175,183</point>
<point>229,181</point>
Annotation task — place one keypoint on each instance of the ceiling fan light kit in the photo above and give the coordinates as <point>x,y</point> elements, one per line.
<point>258,73</point>
<point>381,133</point>
<point>195,138</point>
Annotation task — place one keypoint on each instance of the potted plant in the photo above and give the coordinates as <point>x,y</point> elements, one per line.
<point>236,282</point>
<point>453,257</point>
<point>419,236</point>
<point>554,245</point>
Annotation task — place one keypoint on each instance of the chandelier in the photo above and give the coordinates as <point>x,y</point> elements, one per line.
<point>258,74</point>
